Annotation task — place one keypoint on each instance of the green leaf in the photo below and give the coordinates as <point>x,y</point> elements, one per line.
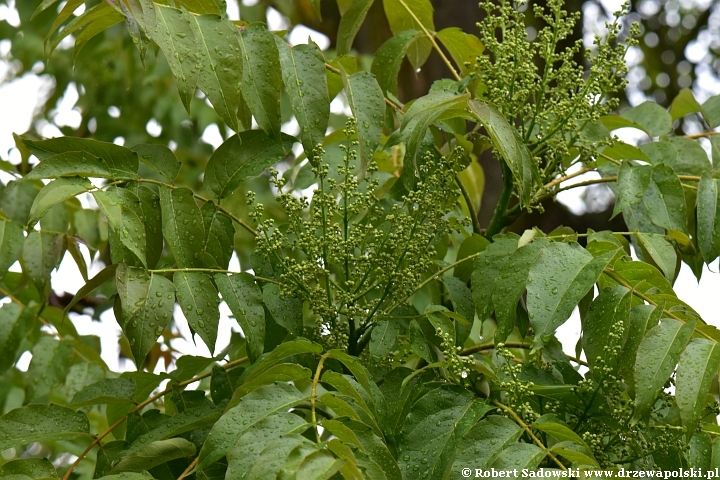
<point>657,356</point>
<point>363,377</point>
<point>219,64</point>
<point>147,308</point>
<point>440,433</point>
<point>633,181</point>
<point>122,216</point>
<point>711,107</point>
<point>243,417</point>
<point>175,37</point>
<point>697,366</point>
<point>283,351</point>
<point>368,107</point>
<point>15,323</point>
<point>32,467</point>
<point>665,199</point>
<point>511,147</point>
<point>272,459</point>
<point>320,465</point>
<point>653,118</point>
<point>510,286</point>
<point>604,330</point>
<point>42,252</point>
<point>219,237</point>
<point>70,164</point>
<point>708,217</point>
<point>660,152</point>
<point>147,208</point>
<point>154,454</point>
<point>128,476</point>
<point>104,275</point>
<point>388,60</point>
<point>519,456</point>
<point>684,104</point>
<point>286,311</point>
<point>699,453</point>
<point>121,161</point>
<point>56,192</point>
<point>262,77</point>
<point>49,366</point>
<point>350,23</point>
<point>250,445</point>
<point>41,423</point>
<point>560,277</point>
<point>488,266</point>
<point>483,443</point>
<point>17,198</point>
<point>100,20</point>
<point>642,318</point>
<point>199,302</point>
<point>416,15</point>
<point>463,47</point>
<point>244,298</point>
<point>240,157</point>
<point>303,71</point>
<point>660,252</point>
<point>473,244</point>
<point>551,425</point>
<point>692,159</point>
<point>112,390</point>
<point>159,158</point>
<point>345,63</point>
<point>575,453</point>
<point>383,337</point>
<point>11,244</point>
<point>183,226</point>
<point>355,433</point>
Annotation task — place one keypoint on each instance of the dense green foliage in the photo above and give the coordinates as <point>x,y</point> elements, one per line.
<point>386,335</point>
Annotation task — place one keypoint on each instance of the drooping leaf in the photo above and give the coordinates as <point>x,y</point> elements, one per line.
<point>147,208</point>
<point>388,60</point>
<point>463,47</point>
<point>286,311</point>
<point>262,77</point>
<point>121,213</point>
<point>521,456</point>
<point>159,157</point>
<point>633,181</point>
<point>183,226</point>
<point>32,467</point>
<point>104,275</point>
<point>253,408</point>
<point>276,455</point>
<point>241,157</point>
<point>383,337</point>
<point>508,143</point>
<point>510,286</point>
<point>42,252</point>
<point>711,107</point>
<point>70,164</point>
<point>692,159</point>
<point>416,15</point>
<point>642,318</point>
<point>697,366</point>
<point>112,390</point>
<point>604,329</point>
<point>121,161</point>
<point>657,356</point>
<point>15,323</point>
<point>368,107</point>
<point>57,192</point>
<point>660,252</point>
<point>147,307</point>
<point>17,198</point>
<point>488,266</point>
<point>244,298</point>
<point>199,302</point>
<point>219,237</point>
<point>708,217</point>
<point>355,433</point>
<point>154,454</point>
<point>653,118</point>
<point>174,35</point>
<point>303,71</point>
<point>557,429</point>
<point>34,423</point>
<point>665,199</point>
<point>473,244</point>
<point>561,276</point>
<point>219,64</point>
<point>285,350</point>
<point>249,446</point>
<point>350,24</point>
<point>11,244</point>
<point>320,465</point>
<point>684,104</point>
<point>483,443</point>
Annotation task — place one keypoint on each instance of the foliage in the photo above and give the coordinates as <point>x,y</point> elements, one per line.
<point>372,285</point>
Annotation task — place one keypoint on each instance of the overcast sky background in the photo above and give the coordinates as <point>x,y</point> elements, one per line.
<point>20,97</point>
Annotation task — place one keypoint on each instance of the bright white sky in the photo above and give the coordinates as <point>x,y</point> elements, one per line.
<point>21,96</point>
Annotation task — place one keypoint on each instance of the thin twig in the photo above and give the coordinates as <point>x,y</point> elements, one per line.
<point>139,407</point>
<point>702,134</point>
<point>187,471</point>
<point>313,394</point>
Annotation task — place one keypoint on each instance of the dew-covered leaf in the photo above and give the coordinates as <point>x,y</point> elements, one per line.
<point>412,15</point>
<point>34,423</point>
<point>697,366</point>
<point>11,244</point>
<point>112,390</point>
<point>159,158</point>
<point>199,302</point>
<point>244,298</point>
<point>183,226</point>
<point>15,323</point>
<point>57,192</point>
<point>368,107</point>
<point>154,454</point>
<point>388,60</point>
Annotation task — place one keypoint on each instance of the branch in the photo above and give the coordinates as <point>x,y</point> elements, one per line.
<point>313,394</point>
<point>189,469</point>
<point>702,134</point>
<point>139,407</point>
<point>519,421</point>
